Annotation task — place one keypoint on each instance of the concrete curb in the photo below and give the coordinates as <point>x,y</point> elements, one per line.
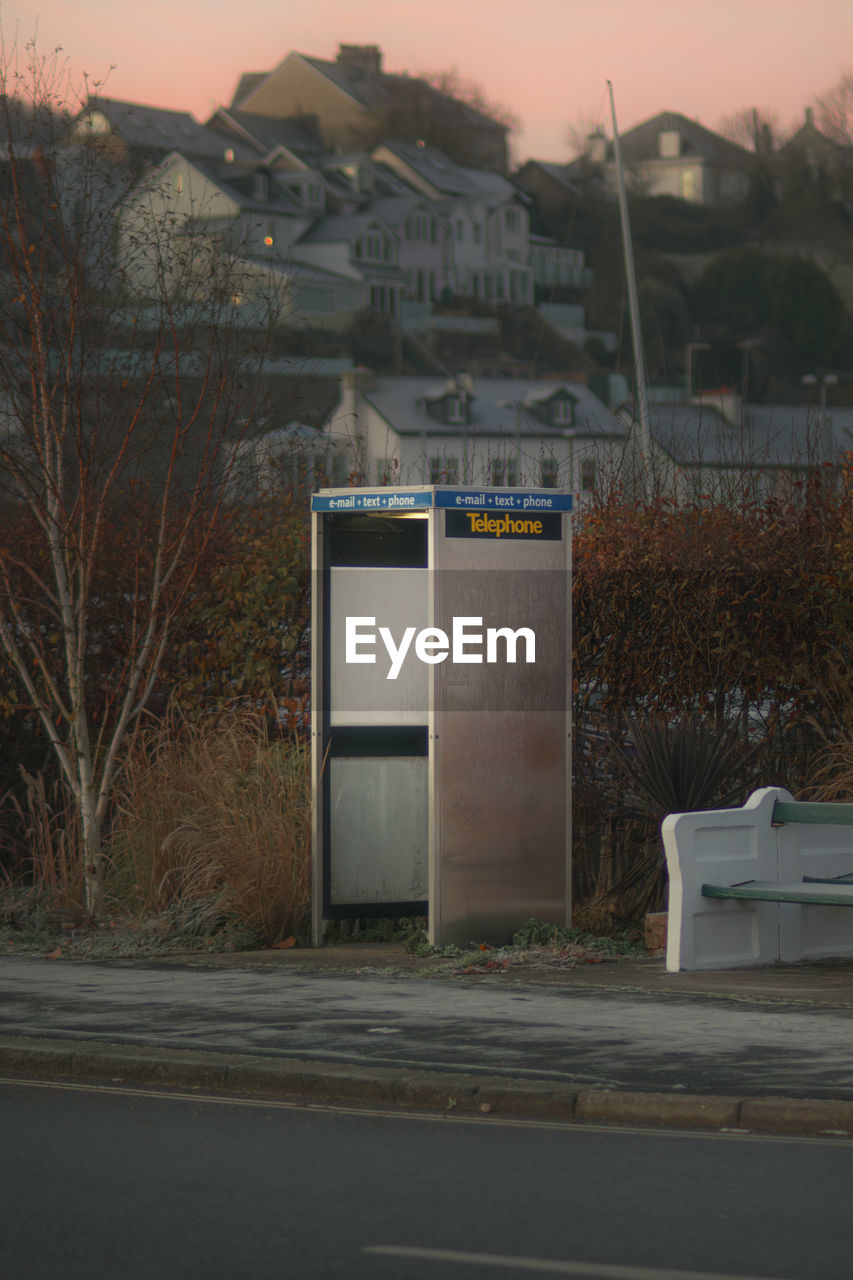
<point>387,1087</point>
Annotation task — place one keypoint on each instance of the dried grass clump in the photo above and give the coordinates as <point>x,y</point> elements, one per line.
<point>213,816</point>
<point>50,853</point>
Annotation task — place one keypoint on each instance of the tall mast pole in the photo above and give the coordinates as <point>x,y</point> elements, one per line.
<point>642,423</point>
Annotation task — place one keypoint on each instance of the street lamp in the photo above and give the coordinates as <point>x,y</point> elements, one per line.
<point>688,363</point>
<point>824,419</point>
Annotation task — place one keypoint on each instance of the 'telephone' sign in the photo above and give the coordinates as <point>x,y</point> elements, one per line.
<point>544,527</point>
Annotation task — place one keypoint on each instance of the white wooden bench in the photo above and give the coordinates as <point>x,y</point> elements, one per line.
<point>765,883</point>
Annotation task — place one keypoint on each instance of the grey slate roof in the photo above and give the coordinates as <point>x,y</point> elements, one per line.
<point>641,142</point>
<point>498,407</point>
<point>340,227</point>
<point>238,183</point>
<point>450,178</point>
<point>768,436</point>
<point>156,130</point>
<point>269,132</point>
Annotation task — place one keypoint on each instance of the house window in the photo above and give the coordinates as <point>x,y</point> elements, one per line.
<point>512,219</point>
<point>669,144</point>
<point>550,471</point>
<point>460,229</point>
<point>436,470</point>
<point>587,475</point>
<point>690,185</point>
<point>454,409</point>
<point>512,472</point>
<point>561,412</point>
<point>261,187</point>
<point>179,183</point>
<point>478,233</point>
<point>419,226</point>
<point>451,470</point>
<point>374,247</point>
<point>498,472</point>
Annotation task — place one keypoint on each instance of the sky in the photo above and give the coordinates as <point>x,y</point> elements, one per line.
<point>549,61</point>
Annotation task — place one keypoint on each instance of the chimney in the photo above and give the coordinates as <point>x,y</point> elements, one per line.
<point>363,57</point>
<point>809,117</point>
<point>358,379</point>
<point>597,148</point>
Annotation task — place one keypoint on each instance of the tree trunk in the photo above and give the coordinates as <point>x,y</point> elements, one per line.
<point>93,862</point>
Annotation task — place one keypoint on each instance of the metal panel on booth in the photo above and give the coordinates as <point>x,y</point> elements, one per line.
<point>441,642</point>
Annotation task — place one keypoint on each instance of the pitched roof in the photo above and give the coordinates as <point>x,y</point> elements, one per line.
<point>372,90</point>
<point>641,142</point>
<point>768,436</point>
<point>343,227</point>
<point>267,133</point>
<point>498,407</point>
<point>559,173</point>
<point>448,177</point>
<point>248,81</point>
<point>238,184</point>
<point>157,129</point>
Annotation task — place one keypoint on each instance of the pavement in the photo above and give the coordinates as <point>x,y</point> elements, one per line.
<point>623,1042</point>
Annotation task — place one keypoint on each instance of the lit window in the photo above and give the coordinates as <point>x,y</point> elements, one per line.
<point>268,241</point>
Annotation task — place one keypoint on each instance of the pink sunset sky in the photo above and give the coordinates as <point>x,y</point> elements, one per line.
<point>547,60</point>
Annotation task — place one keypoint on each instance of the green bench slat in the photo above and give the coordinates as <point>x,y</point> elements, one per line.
<point>848,879</point>
<point>812,811</point>
<point>829,895</point>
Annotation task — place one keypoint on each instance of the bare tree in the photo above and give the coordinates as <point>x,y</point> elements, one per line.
<point>455,86</point>
<point>752,128</point>
<point>116,409</point>
<point>835,111</point>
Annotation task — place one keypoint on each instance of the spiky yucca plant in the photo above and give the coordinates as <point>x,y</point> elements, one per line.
<point>680,768</point>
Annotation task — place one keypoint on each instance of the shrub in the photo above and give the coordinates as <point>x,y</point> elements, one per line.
<point>216,813</point>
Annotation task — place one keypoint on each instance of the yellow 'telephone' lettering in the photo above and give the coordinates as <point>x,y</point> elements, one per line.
<point>498,525</point>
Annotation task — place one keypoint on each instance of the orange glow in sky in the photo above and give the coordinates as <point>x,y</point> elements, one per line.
<point>547,60</point>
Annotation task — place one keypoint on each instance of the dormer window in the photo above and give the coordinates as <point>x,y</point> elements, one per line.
<point>261,189</point>
<point>669,144</point>
<point>512,219</point>
<point>454,409</point>
<point>373,247</point>
<point>561,412</point>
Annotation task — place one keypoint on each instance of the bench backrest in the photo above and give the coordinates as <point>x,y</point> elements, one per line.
<point>837,815</point>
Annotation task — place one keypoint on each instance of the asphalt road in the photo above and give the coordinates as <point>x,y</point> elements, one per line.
<point>599,1038</point>
<point>109,1183</point>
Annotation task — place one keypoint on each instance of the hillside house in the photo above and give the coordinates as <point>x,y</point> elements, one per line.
<point>356,103</point>
<point>672,155</point>
<point>495,432</point>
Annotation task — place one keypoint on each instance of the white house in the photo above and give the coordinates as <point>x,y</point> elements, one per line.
<point>498,431</point>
